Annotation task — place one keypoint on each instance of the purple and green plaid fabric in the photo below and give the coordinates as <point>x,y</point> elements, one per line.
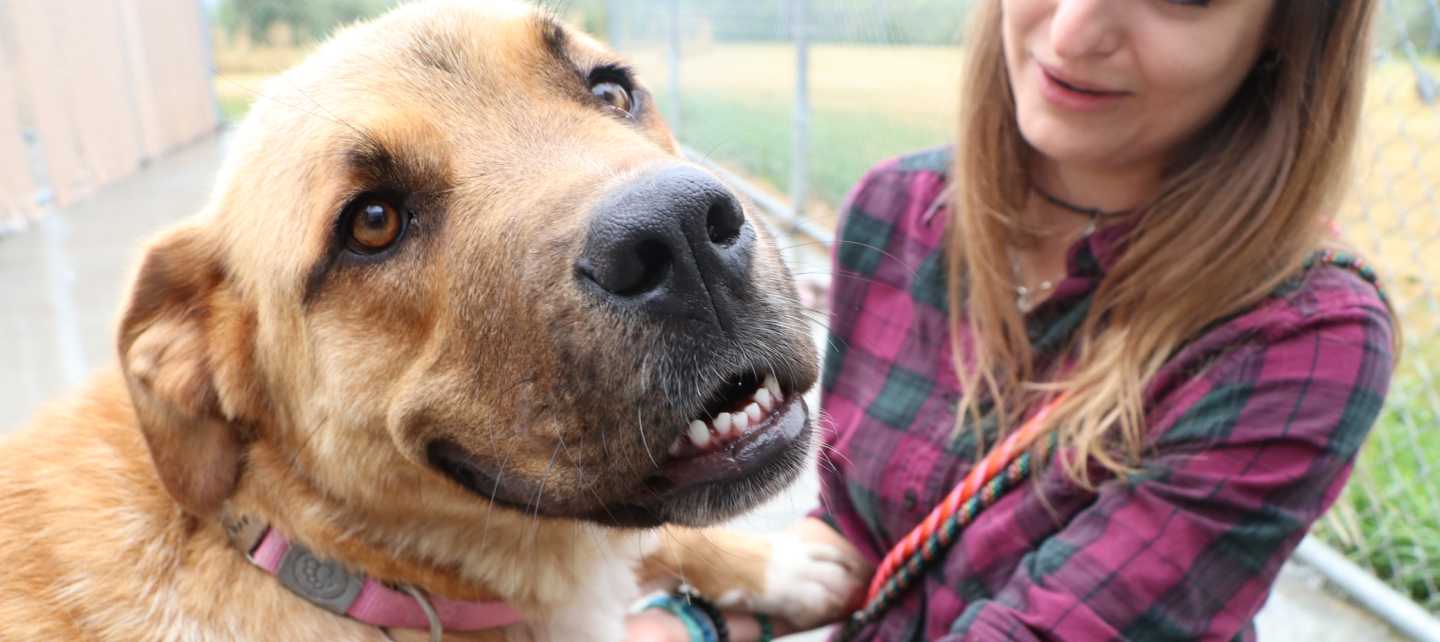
<point>1253,429</point>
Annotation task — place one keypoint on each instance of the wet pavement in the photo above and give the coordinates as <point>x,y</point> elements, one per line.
<point>61,282</point>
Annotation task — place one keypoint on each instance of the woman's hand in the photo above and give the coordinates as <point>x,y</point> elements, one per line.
<point>656,625</point>
<point>812,576</point>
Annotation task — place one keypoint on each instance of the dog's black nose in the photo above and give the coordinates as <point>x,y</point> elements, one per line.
<point>672,243</point>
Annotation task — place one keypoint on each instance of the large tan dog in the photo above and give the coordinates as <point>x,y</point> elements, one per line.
<point>458,317</point>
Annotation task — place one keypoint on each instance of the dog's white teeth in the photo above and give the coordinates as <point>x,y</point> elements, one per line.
<point>699,433</point>
<point>675,448</point>
<point>741,421</point>
<point>772,386</point>
<point>752,411</point>
<point>722,423</point>
<point>762,398</point>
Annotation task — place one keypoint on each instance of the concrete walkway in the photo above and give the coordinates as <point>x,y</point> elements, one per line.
<point>60,284</point>
<point>60,281</point>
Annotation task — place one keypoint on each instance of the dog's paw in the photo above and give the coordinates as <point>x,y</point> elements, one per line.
<point>807,583</point>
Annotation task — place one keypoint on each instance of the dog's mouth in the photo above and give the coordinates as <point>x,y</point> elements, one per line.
<point>750,432</point>
<point>741,427</point>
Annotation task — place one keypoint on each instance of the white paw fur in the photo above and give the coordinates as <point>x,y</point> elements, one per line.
<point>806,583</point>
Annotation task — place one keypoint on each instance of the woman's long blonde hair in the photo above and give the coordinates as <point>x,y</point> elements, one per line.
<point>1235,218</point>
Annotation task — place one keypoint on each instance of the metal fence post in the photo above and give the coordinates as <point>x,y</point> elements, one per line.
<point>800,145</point>
<point>207,46</point>
<point>672,54</point>
<point>613,23</point>
<point>882,17</point>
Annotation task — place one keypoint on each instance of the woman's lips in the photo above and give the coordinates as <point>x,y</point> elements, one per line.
<point>1075,97</point>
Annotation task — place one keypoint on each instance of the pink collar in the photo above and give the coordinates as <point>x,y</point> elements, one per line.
<point>348,592</point>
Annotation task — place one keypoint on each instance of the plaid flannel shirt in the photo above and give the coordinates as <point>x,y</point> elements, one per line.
<point>1252,431</point>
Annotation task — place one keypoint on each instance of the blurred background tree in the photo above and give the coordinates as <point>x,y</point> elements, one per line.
<point>311,20</point>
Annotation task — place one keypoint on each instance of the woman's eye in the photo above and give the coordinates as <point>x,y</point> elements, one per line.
<point>375,225</point>
<point>1190,3</point>
<point>614,95</point>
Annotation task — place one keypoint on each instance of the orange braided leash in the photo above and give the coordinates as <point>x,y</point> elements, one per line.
<point>990,467</point>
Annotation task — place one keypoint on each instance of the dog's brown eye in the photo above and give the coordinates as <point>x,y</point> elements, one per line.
<point>376,225</point>
<point>613,95</point>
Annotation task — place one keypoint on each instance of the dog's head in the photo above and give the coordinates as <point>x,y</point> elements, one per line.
<point>456,264</point>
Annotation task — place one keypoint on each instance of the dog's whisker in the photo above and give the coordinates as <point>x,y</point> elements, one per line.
<point>605,446</point>
<point>304,443</point>
<point>535,521</point>
<point>281,171</point>
<point>641,419</point>
<point>580,465</point>
<point>499,474</point>
<point>555,418</point>
<point>266,97</point>
<point>796,224</point>
<point>364,135</point>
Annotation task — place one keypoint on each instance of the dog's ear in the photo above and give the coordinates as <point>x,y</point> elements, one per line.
<point>184,347</point>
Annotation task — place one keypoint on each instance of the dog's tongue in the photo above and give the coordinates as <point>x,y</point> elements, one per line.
<point>757,447</point>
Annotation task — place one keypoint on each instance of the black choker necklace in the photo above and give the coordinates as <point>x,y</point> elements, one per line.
<point>1092,212</point>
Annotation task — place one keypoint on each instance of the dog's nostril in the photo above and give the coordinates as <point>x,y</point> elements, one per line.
<point>723,222</point>
<point>643,271</point>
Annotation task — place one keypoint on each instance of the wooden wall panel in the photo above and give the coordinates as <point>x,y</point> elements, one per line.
<point>147,109</point>
<point>45,88</point>
<point>181,81</point>
<point>96,75</point>
<point>17,188</point>
<point>107,85</point>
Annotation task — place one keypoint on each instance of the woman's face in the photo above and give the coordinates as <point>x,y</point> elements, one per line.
<point>1117,83</point>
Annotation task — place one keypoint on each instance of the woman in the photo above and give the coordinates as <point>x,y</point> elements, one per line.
<point>1136,191</point>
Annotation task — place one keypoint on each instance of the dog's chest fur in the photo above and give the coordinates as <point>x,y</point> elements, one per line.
<point>96,549</point>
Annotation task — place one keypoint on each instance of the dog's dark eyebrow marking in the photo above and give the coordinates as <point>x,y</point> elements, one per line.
<point>557,43</point>
<point>556,40</point>
<point>378,166</point>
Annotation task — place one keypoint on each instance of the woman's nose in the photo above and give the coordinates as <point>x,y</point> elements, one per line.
<point>1086,28</point>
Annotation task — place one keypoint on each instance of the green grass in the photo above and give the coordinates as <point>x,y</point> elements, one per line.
<point>758,138</point>
<point>233,110</point>
<point>1387,519</point>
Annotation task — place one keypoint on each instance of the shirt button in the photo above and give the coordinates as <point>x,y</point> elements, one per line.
<point>909,500</point>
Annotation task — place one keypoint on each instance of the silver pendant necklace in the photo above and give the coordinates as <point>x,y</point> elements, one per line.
<point>1025,297</point>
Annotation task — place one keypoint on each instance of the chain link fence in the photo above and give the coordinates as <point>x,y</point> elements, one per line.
<point>799,97</point>
<point>1389,519</point>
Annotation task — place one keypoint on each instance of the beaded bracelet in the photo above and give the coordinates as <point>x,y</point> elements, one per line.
<point>767,628</point>
<point>702,620</point>
<point>722,631</point>
<point>697,623</point>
